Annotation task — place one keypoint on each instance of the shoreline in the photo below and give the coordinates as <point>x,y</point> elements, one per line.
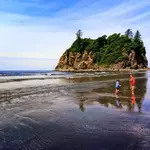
<point>101,70</point>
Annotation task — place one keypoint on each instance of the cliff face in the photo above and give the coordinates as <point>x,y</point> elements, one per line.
<point>75,61</point>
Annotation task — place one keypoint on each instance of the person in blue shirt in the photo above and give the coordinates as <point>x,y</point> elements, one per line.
<point>117,86</point>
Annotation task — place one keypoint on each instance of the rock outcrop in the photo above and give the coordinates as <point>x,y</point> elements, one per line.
<point>114,52</point>
<point>75,61</point>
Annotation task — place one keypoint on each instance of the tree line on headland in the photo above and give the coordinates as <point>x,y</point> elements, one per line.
<point>110,49</point>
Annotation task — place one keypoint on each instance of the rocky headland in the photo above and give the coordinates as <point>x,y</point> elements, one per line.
<point>113,53</point>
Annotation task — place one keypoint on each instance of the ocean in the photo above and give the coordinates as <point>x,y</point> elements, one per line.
<point>22,75</point>
<point>27,72</point>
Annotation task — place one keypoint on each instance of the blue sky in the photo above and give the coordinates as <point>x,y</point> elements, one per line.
<point>39,31</point>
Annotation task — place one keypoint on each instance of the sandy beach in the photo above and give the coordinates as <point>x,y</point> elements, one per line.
<point>77,111</point>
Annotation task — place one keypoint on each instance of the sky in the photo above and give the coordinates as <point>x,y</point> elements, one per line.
<point>35,33</point>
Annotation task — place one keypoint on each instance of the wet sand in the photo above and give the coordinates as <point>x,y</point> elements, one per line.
<point>76,113</point>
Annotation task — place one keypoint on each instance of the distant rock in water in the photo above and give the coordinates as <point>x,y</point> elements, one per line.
<point>113,52</point>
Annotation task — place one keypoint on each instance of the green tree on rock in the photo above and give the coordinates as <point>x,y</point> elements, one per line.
<point>129,33</point>
<point>79,34</point>
<point>137,36</point>
<point>77,44</point>
<point>110,49</point>
<point>138,45</point>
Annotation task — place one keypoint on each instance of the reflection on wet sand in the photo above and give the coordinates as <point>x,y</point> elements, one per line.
<point>119,105</point>
<point>81,106</point>
<point>129,98</point>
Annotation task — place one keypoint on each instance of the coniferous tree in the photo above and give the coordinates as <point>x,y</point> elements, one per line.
<point>79,34</point>
<point>129,33</point>
<point>137,36</point>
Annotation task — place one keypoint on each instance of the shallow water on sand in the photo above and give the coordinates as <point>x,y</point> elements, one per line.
<point>79,112</point>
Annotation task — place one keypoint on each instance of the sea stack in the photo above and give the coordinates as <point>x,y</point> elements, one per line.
<point>114,52</point>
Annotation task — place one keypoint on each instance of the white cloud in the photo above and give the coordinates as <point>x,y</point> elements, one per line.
<point>139,17</point>
<point>43,37</point>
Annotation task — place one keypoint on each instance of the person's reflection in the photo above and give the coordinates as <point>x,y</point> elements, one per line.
<point>133,99</point>
<point>81,106</point>
<point>117,100</point>
<point>119,105</point>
